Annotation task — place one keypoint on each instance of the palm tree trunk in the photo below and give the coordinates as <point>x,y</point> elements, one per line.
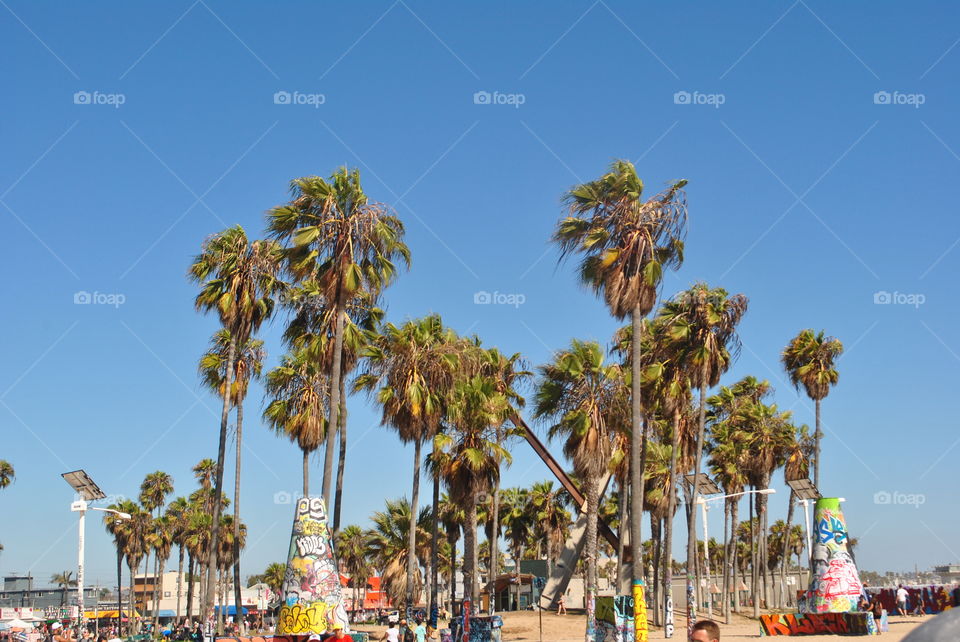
<point>785,557</point>
<point>342,455</point>
<point>435,548</point>
<point>191,567</point>
<point>734,516</point>
<point>238,600</point>
<point>335,376</point>
<point>638,447</point>
<point>764,551</point>
<point>725,596</point>
<point>754,563</point>
<point>494,543</point>
<point>119,588</point>
<point>668,535</point>
<point>157,580</point>
<point>591,554</point>
<point>470,550</point>
<point>179,582</point>
<point>453,569</point>
<point>656,537</point>
<point>207,602</point>
<point>816,454</point>
<point>130,623</point>
<point>622,518</point>
<point>412,531</point>
<point>306,473</point>
<point>694,572</point>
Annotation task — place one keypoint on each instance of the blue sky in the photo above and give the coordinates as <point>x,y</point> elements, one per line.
<point>810,192</point>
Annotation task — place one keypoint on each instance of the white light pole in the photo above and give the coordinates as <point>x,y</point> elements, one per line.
<point>706,538</point>
<point>81,506</point>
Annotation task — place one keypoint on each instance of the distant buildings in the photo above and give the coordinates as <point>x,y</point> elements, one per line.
<point>20,591</point>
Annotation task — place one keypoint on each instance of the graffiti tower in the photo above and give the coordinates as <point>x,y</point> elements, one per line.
<point>834,582</point>
<point>312,595</point>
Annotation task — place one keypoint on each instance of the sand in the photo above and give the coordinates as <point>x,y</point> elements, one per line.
<point>570,628</point>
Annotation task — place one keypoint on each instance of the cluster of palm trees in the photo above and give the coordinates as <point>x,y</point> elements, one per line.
<point>155,526</point>
<point>636,410</point>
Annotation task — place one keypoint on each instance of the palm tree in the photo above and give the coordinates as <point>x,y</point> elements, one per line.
<point>204,471</point>
<point>517,522</point>
<point>702,323</point>
<point>273,576</point>
<point>345,243</point>
<point>153,493</point>
<point>797,466</point>
<point>238,279</point>
<point>247,365</point>
<point>809,361</point>
<point>453,517</point>
<point>388,549</point>
<point>298,390</point>
<point>135,544</point>
<point>120,530</point>
<point>583,398</point>
<point>352,554</point>
<point>178,516</point>
<point>627,244</point>
<point>7,474</point>
<point>409,371</point>
<point>64,581</point>
<point>468,457</point>
<point>551,519</point>
<point>161,541</point>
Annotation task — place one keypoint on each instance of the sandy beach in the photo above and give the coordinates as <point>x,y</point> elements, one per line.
<point>525,626</point>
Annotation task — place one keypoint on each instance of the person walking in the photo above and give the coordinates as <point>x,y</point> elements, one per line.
<point>902,600</point>
<point>561,606</point>
<point>392,634</point>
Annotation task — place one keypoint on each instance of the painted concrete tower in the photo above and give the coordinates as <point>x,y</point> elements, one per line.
<point>312,594</point>
<point>835,584</point>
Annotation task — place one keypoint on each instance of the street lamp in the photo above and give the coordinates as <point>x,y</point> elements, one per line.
<point>88,491</point>
<point>706,538</point>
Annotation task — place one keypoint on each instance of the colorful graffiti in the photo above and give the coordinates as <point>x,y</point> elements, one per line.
<point>835,584</point>
<point>818,623</point>
<point>936,599</point>
<point>313,597</point>
<point>668,616</point>
<point>691,607</point>
<point>615,619</point>
<point>639,612</point>
<point>357,637</point>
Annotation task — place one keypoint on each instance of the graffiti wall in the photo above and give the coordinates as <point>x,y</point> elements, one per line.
<point>311,587</point>
<point>936,599</point>
<point>357,637</point>
<point>835,584</point>
<point>639,611</point>
<point>615,619</point>
<point>818,623</point>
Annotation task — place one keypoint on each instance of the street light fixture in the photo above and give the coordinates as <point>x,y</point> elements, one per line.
<point>702,501</point>
<point>88,491</point>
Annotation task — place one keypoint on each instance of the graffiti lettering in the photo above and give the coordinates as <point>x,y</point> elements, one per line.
<point>668,620</point>
<point>639,612</point>
<point>311,545</point>
<point>312,506</point>
<point>817,623</point>
<point>302,619</point>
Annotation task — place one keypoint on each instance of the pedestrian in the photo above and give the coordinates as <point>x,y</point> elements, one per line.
<point>561,606</point>
<point>420,631</point>
<point>902,600</point>
<point>392,634</point>
<point>705,631</point>
<point>339,634</point>
<point>406,633</point>
<point>919,605</point>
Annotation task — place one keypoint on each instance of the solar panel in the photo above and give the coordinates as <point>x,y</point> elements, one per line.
<point>804,488</point>
<point>706,485</point>
<point>80,481</point>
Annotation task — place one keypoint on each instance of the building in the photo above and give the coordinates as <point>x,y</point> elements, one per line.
<point>949,573</point>
<point>254,598</point>
<point>19,591</point>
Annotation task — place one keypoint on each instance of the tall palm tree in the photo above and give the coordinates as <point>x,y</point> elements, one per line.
<point>204,472</point>
<point>388,549</point>
<point>551,519</point>
<point>298,390</point>
<point>135,546</point>
<point>64,581</point>
<point>247,365</point>
<point>582,398</point>
<point>809,361</point>
<point>627,243</point>
<point>160,540</point>
<point>517,522</point>
<point>7,473</point>
<point>238,279</point>
<point>797,466</point>
<point>178,516</point>
<point>469,456</point>
<point>346,243</point>
<point>352,554</point>
<point>410,370</point>
<point>702,323</point>
<point>153,493</point>
<point>453,517</point>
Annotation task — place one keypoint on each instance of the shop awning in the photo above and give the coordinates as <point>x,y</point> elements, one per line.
<point>92,615</point>
<point>231,610</point>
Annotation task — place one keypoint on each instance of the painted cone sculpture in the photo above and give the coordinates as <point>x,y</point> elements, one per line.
<point>835,584</point>
<point>312,595</point>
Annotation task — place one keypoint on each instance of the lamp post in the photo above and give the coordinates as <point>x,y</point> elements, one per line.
<point>706,538</point>
<point>87,491</point>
